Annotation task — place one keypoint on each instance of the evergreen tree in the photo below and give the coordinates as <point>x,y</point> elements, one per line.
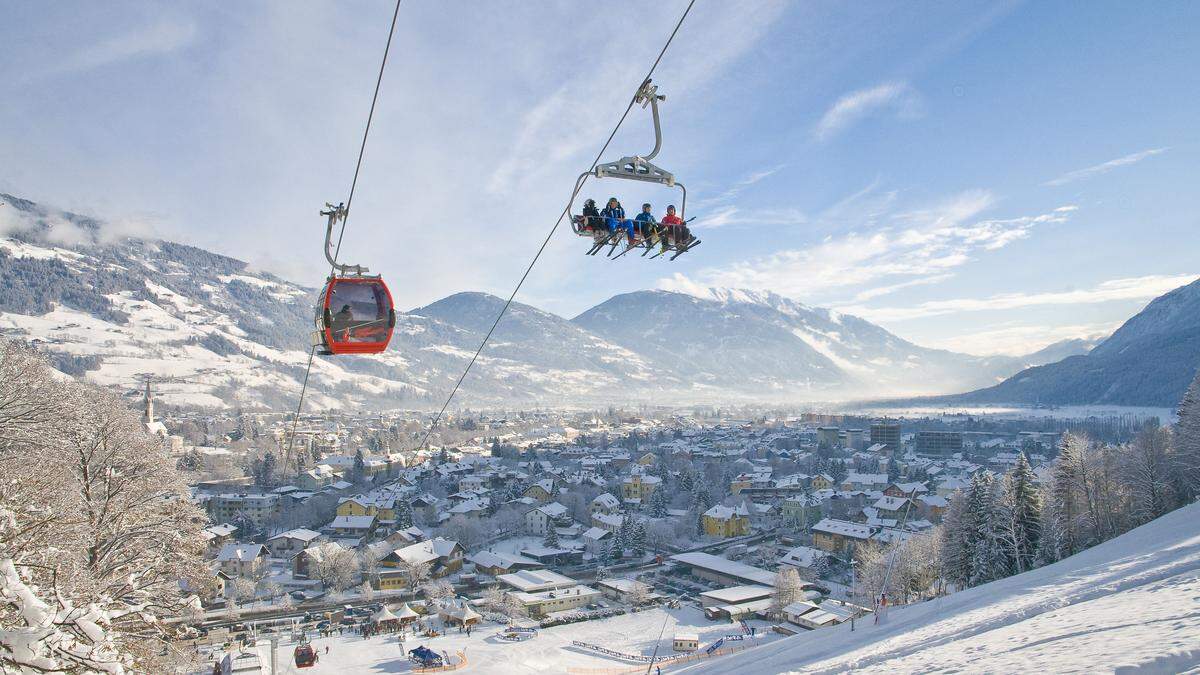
<point>551,540</point>
<point>1026,515</point>
<point>989,559</point>
<point>404,514</point>
<point>702,499</point>
<point>638,540</point>
<point>658,502</point>
<point>687,480</point>
<point>359,472</point>
<point>893,471</point>
<point>621,538</point>
<point>956,543</point>
<point>269,469</point>
<point>838,471</point>
<point>1186,455</point>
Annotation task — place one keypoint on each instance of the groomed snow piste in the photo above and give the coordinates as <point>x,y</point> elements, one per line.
<point>1129,605</point>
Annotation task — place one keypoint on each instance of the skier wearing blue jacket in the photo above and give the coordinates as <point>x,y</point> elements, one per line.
<point>614,217</point>
<point>646,222</point>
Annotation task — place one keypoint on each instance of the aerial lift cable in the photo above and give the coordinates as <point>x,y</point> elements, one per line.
<point>579,186</point>
<point>341,233</point>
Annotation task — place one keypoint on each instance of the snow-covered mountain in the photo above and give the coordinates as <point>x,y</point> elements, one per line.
<point>739,338</point>
<point>215,332</point>
<point>1148,361</point>
<point>1127,605</point>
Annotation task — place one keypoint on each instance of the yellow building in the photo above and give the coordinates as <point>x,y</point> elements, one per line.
<point>647,459</point>
<point>384,510</point>
<point>542,491</point>
<point>822,481</point>
<point>639,487</point>
<point>726,521</point>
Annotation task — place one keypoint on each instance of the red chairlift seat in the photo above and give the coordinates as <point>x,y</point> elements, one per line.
<point>355,315</point>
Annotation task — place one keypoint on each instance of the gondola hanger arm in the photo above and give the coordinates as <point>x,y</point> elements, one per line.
<point>335,214</point>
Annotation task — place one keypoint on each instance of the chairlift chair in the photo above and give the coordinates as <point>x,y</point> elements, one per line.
<point>638,168</point>
<point>355,314</point>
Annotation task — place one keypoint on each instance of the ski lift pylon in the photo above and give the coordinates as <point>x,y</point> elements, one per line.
<point>638,168</point>
<point>355,314</point>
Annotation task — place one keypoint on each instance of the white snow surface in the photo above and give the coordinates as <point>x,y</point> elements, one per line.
<point>550,652</point>
<point>1129,605</point>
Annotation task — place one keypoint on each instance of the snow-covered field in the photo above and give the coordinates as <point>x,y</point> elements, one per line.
<point>1129,605</point>
<point>550,652</point>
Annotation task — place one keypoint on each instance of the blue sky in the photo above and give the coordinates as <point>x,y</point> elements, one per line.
<point>986,177</point>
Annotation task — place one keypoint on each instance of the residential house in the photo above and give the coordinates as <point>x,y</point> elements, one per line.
<point>895,508</point>
<point>218,535</point>
<point>259,509</point>
<point>801,511</point>
<point>542,490</point>
<point>355,527</point>
<point>910,490</point>
<point>442,555</point>
<point>242,560</point>
<point>605,503</point>
<point>540,520</point>
<point>604,521</point>
<point>637,488</point>
<point>822,481</point>
<point>495,564</point>
<point>726,521</point>
<point>810,562</point>
<point>553,556</point>
<point>288,544</point>
<point>839,537</point>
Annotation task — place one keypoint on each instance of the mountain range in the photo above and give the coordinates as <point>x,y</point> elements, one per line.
<point>212,331</point>
<point>1149,361</point>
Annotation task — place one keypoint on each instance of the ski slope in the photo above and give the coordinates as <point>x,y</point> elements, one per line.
<point>1129,605</point>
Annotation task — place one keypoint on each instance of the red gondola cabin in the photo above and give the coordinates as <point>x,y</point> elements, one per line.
<point>355,316</point>
<point>305,656</point>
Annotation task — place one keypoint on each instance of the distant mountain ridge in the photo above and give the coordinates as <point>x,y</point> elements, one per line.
<point>217,333</point>
<point>1148,361</point>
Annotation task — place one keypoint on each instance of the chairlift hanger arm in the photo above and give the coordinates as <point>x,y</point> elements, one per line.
<point>335,214</point>
<point>648,94</point>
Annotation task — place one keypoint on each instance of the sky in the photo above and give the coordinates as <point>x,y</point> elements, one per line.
<point>987,177</point>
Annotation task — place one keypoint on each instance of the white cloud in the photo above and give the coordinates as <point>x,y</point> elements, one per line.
<point>1132,288</point>
<point>852,107</point>
<point>161,37</point>
<point>915,247</point>
<point>1098,169</point>
<point>1018,339</point>
<point>733,215</point>
<point>737,187</point>
<point>564,127</point>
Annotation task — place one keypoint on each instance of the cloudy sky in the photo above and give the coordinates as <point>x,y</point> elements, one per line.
<point>986,177</point>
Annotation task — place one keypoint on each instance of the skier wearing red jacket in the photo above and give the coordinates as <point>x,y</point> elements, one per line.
<point>675,226</point>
